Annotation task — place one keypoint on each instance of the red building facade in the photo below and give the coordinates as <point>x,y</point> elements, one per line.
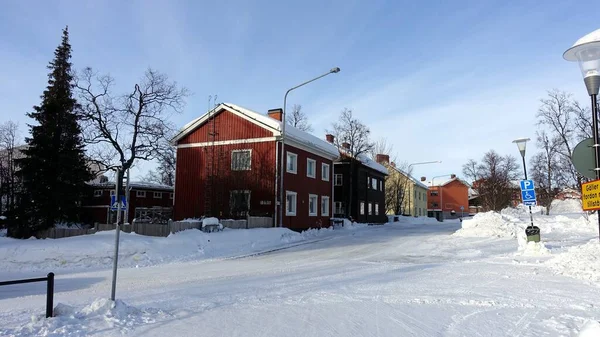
<point>227,167</point>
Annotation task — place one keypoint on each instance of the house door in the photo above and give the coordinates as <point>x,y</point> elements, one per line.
<point>239,203</point>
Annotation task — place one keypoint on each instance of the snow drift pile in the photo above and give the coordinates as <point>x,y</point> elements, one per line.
<point>581,262</point>
<point>100,315</point>
<point>490,224</point>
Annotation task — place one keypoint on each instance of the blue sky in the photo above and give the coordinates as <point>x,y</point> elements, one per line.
<point>441,80</point>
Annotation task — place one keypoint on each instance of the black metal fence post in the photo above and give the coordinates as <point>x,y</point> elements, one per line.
<point>50,295</point>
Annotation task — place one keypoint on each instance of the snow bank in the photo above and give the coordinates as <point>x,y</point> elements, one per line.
<point>96,250</point>
<point>581,262</point>
<point>490,224</point>
<point>210,221</point>
<point>590,329</point>
<point>522,210</point>
<point>100,315</point>
<point>566,206</point>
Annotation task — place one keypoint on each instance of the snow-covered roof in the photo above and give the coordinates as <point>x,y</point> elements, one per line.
<point>365,160</point>
<point>291,133</point>
<point>135,184</point>
<point>413,179</point>
<point>444,182</point>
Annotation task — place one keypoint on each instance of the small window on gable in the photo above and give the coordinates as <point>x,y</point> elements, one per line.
<point>241,160</point>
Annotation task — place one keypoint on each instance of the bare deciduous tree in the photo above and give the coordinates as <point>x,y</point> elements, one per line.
<point>546,169</point>
<point>493,179</point>
<point>382,146</point>
<point>9,183</point>
<point>397,188</point>
<point>165,172</point>
<point>353,139</point>
<point>121,129</point>
<point>565,123</point>
<point>298,119</point>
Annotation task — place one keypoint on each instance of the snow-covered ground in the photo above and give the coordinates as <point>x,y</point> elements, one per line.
<point>416,277</point>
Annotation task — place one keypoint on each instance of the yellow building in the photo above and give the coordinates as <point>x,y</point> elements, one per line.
<point>404,195</point>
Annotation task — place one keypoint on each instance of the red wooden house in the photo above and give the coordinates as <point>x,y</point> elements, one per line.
<point>142,196</point>
<point>227,166</point>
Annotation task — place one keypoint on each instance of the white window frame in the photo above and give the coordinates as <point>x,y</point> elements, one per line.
<point>325,172</point>
<point>325,203</point>
<point>315,204</point>
<point>362,208</point>
<point>140,194</point>
<point>295,204</point>
<point>374,184</point>
<point>233,162</point>
<point>171,196</point>
<point>335,179</point>
<point>159,195</point>
<point>370,206</point>
<point>314,165</point>
<point>338,207</point>
<point>376,209</point>
<point>98,193</point>
<point>291,157</point>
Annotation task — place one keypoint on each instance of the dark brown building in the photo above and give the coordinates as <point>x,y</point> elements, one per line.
<point>367,200</point>
<point>227,164</point>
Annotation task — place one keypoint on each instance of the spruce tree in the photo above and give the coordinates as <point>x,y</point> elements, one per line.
<point>54,168</point>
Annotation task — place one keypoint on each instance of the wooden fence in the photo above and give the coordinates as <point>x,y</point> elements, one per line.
<point>57,233</point>
<point>156,229</point>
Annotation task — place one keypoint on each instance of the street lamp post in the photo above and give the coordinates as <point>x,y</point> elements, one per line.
<point>412,208</point>
<point>283,157</point>
<point>440,192</point>
<point>586,51</point>
<point>531,230</point>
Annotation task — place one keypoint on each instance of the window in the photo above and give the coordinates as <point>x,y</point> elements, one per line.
<point>324,206</point>
<point>419,196</point>
<point>98,193</point>
<point>239,203</point>
<point>292,163</point>
<point>171,196</point>
<point>158,195</point>
<point>337,179</point>
<point>312,204</point>
<point>241,160</point>
<point>290,203</point>
<point>381,185</point>
<point>311,168</point>
<point>325,172</point>
<point>370,208</point>
<point>368,181</point>
<point>140,194</point>
<point>362,208</point>
<point>339,207</point>
<point>434,205</point>
<point>376,209</point>
<point>374,183</point>
<point>433,193</point>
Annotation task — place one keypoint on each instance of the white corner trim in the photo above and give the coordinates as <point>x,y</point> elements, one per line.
<point>228,142</point>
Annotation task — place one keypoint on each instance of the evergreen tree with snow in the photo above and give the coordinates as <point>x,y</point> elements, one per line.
<point>54,168</point>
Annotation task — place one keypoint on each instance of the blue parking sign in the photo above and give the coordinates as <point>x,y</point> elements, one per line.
<point>528,193</point>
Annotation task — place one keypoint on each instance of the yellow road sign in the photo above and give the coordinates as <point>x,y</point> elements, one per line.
<point>590,195</point>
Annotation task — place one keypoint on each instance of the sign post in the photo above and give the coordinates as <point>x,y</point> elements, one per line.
<point>529,199</point>
<point>117,229</point>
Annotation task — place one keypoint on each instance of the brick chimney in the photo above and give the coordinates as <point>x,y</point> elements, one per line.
<point>393,164</point>
<point>423,178</point>
<point>346,145</point>
<point>276,114</point>
<point>329,137</point>
<point>382,158</point>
